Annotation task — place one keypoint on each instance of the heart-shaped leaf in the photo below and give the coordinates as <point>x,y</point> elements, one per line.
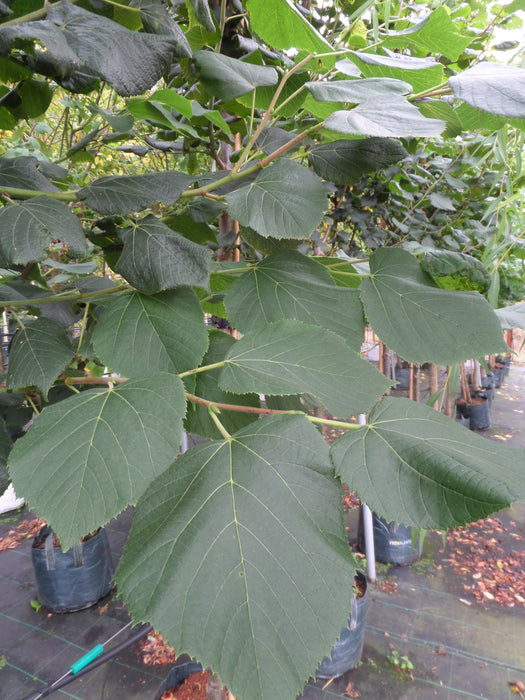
<point>140,334</point>
<point>289,357</point>
<point>357,90</point>
<point>345,162</point>
<point>421,322</point>
<point>232,559</point>
<point>27,229</point>
<point>415,466</point>
<point>384,116</point>
<point>288,285</point>
<point>24,172</point>
<point>493,88</point>
<point>286,200</point>
<point>86,458</point>
<point>130,193</point>
<point>156,258</point>
<point>227,78</point>
<point>39,352</point>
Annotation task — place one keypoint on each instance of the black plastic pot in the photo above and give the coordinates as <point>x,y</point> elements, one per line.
<point>479,414</point>
<point>392,541</point>
<point>72,580</point>
<point>176,676</point>
<point>403,377</point>
<point>346,652</point>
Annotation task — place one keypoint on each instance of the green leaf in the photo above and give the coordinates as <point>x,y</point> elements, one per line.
<point>155,258</point>
<point>420,322</point>
<point>345,162</point>
<point>203,14</point>
<point>288,285</point>
<point>436,109</point>
<point>473,119</point>
<point>86,458</point>
<point>493,88</point>
<point>436,34</point>
<point>453,270</point>
<point>289,357</point>
<point>139,334</point>
<point>198,419</point>
<point>123,194</point>
<point>131,62</point>
<point>231,558</point>
<point>384,116</point>
<point>27,229</point>
<point>32,98</point>
<point>38,354</point>
<point>441,201</point>
<point>292,93</point>
<point>357,90</point>
<point>24,172</point>
<point>157,20</point>
<point>286,201</point>
<point>413,465</point>
<point>226,78</point>
<point>421,73</point>
<point>512,316</point>
<point>5,449</point>
<point>282,26</point>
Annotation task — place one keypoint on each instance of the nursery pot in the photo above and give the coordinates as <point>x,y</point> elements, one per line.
<point>176,676</point>
<point>479,413</point>
<point>346,652</point>
<point>392,541</point>
<point>72,580</point>
<point>403,377</point>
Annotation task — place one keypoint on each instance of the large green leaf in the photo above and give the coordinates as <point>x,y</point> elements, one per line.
<point>24,172</point>
<point>512,316</point>
<point>124,194</point>
<point>86,458</point>
<point>157,20</point>
<point>493,88</point>
<point>474,118</point>
<point>286,200</point>
<point>420,322</point>
<point>155,258</point>
<point>453,270</point>
<point>436,34</point>
<point>5,448</point>
<point>227,78</point>
<point>415,466</point>
<point>421,73</point>
<point>390,115</point>
<point>39,352</point>
<point>140,334</point>
<point>288,285</point>
<point>131,62</point>
<point>232,558</point>
<point>345,162</point>
<point>198,419</point>
<point>357,90</point>
<point>27,229</point>
<point>282,26</point>
<point>289,357</point>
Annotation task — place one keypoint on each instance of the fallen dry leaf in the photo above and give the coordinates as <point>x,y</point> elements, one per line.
<point>517,687</point>
<point>351,692</point>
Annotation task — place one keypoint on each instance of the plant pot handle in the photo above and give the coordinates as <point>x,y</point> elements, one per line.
<point>353,612</point>
<point>51,563</point>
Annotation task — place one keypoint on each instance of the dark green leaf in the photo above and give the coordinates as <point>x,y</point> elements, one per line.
<point>384,116</point>
<point>203,14</point>
<point>420,322</point>
<point>29,99</point>
<point>86,458</point>
<point>27,228</point>
<point>232,559</point>
<point>123,194</point>
<point>139,334</point>
<point>473,119</point>
<point>5,449</point>
<point>155,258</point>
<point>227,78</point>
<point>157,20</point>
<point>24,172</point>
<point>38,354</point>
<point>415,466</point>
<point>198,419</point>
<point>357,90</point>
<point>441,201</point>
<point>453,270</point>
<point>436,109</point>
<point>286,201</point>
<point>345,162</point>
<point>492,88</point>
<point>291,93</point>
<point>288,285</point>
<point>289,357</point>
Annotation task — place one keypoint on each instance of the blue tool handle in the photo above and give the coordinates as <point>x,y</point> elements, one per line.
<point>87,659</point>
